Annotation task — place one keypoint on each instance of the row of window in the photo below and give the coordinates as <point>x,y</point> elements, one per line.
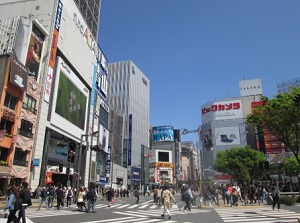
<point>29,102</point>
<point>24,130</point>
<point>20,157</point>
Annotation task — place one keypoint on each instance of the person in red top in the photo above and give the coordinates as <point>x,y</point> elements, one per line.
<point>229,194</point>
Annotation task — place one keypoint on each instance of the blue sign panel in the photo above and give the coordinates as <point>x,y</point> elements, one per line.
<point>163,134</point>
<point>130,140</point>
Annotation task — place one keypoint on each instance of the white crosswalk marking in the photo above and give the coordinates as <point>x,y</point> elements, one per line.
<point>261,215</point>
<point>34,213</point>
<point>123,206</point>
<point>131,220</point>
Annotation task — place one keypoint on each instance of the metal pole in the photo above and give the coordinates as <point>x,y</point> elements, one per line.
<point>79,165</point>
<point>90,164</point>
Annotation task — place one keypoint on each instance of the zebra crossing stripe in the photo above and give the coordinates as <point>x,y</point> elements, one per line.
<point>133,206</point>
<point>123,206</point>
<point>143,206</point>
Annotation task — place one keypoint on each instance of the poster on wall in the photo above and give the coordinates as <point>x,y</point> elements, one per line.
<point>70,102</point>
<point>227,136</point>
<point>207,139</point>
<point>34,51</point>
<point>103,138</point>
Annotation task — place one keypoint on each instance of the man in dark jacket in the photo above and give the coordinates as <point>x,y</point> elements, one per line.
<point>26,200</point>
<point>59,196</point>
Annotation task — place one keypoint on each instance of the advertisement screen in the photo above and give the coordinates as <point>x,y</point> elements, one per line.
<point>75,110</point>
<point>227,136</point>
<point>35,51</point>
<point>163,156</point>
<point>70,101</point>
<point>103,138</point>
<point>162,133</point>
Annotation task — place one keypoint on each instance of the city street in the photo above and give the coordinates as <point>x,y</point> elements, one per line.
<point>125,210</point>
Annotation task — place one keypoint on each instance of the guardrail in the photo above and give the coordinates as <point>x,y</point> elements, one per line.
<point>289,193</point>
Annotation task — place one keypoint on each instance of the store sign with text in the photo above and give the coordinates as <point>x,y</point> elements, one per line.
<point>222,110</point>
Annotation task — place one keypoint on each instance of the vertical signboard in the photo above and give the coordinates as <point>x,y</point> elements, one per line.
<point>108,162</point>
<point>49,76</point>
<point>130,140</point>
<point>34,52</point>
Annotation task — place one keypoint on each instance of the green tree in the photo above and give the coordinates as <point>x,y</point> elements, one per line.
<point>281,117</point>
<point>242,162</point>
<point>291,167</point>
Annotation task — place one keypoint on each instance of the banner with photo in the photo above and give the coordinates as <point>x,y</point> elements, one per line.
<point>34,53</point>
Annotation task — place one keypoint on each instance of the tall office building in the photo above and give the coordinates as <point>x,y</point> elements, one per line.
<point>90,11</point>
<point>129,94</point>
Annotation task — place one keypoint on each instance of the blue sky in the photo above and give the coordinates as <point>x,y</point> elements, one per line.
<point>196,51</point>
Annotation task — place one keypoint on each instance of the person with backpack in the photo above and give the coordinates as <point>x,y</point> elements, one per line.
<point>275,196</point>
<point>187,197</point>
<point>12,195</point>
<point>69,196</point>
<point>91,197</point>
<point>51,192</point>
<point>44,198</point>
<point>25,196</point>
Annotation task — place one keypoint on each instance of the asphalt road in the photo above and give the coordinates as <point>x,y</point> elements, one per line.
<point>126,211</point>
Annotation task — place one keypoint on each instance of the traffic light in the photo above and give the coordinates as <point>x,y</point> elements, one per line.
<point>72,150</point>
<point>266,164</point>
<point>60,167</point>
<point>261,165</point>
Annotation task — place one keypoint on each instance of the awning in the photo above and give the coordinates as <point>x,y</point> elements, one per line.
<point>6,175</point>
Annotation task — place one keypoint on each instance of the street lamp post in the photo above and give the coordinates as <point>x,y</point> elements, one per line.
<point>79,159</point>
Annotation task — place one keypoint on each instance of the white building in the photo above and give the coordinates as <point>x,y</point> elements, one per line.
<point>129,94</point>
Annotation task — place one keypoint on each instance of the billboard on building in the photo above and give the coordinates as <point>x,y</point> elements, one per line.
<point>70,101</point>
<point>34,53</point>
<point>227,136</point>
<point>250,87</point>
<point>222,110</point>
<point>163,134</point>
<point>103,138</point>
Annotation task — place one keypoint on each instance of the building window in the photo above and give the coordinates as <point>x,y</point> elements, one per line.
<point>26,128</point>
<point>29,103</point>
<point>20,157</point>
<point>103,117</point>
<point>10,101</point>
<point>6,124</point>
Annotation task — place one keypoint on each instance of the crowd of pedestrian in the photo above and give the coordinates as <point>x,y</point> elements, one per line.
<point>17,199</point>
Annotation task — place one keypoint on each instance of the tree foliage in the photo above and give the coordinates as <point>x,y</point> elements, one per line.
<point>242,162</point>
<point>281,117</point>
<point>291,167</point>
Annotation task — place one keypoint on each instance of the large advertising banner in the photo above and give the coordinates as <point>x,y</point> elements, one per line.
<point>34,53</point>
<point>103,138</point>
<point>163,134</point>
<point>70,101</point>
<point>222,110</point>
<point>49,76</point>
<point>227,136</point>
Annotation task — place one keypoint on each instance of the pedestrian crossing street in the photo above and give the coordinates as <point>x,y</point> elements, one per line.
<point>145,205</point>
<point>148,216</point>
<point>258,215</point>
<point>146,213</point>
